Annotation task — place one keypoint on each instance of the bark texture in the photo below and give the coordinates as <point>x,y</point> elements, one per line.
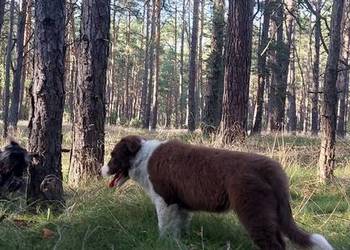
<point>6,100</point>
<point>262,67</point>
<point>2,13</point>
<point>237,70</point>
<point>17,78</point>
<point>329,107</point>
<point>193,63</point>
<point>45,126</point>
<point>316,72</point>
<point>89,102</point>
<point>215,86</point>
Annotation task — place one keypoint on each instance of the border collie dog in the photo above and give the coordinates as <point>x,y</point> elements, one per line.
<point>14,161</point>
<point>181,178</point>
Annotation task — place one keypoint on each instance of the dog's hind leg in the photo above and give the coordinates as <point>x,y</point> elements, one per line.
<point>256,209</point>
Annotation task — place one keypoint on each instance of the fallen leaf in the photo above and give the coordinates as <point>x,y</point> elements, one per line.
<point>48,234</point>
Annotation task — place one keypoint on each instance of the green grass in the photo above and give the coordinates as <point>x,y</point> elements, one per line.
<point>97,217</point>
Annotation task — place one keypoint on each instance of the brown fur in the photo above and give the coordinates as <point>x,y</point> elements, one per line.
<point>206,179</point>
<point>213,180</point>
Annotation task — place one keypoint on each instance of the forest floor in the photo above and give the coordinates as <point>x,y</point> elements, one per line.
<point>97,217</point>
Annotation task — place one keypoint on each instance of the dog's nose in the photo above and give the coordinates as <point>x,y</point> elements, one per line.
<point>104,171</point>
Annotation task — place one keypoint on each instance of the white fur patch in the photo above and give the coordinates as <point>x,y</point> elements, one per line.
<point>319,242</point>
<point>104,171</point>
<point>171,219</point>
<point>139,165</point>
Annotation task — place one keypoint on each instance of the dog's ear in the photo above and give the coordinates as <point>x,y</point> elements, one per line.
<point>132,143</point>
<point>12,141</point>
<point>30,157</point>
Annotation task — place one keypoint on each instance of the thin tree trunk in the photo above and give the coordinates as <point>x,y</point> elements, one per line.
<point>7,71</point>
<point>176,79</point>
<point>182,67</point>
<point>292,121</point>
<point>200,78</point>
<point>45,126</point>
<point>329,110</point>
<point>316,72</point>
<point>237,70</point>
<point>215,84</point>
<point>2,13</point>
<point>292,116</point>
<point>17,78</point>
<point>154,114</point>
<point>193,69</point>
<point>343,77</point>
<point>127,108</point>
<point>146,65</point>
<point>281,71</point>
<point>262,69</point>
<point>26,59</point>
<point>89,103</point>
<point>147,118</point>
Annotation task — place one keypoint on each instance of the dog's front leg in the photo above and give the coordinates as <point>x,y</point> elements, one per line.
<point>171,219</point>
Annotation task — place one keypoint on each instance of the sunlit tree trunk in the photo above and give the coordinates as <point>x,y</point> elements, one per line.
<point>89,103</point>
<point>8,62</point>
<point>343,77</point>
<point>237,70</point>
<point>146,64</point>
<point>316,72</point>
<point>262,69</point>
<point>47,95</point>
<point>17,78</point>
<point>193,63</point>
<point>182,68</point>
<point>154,107</point>
<point>329,107</point>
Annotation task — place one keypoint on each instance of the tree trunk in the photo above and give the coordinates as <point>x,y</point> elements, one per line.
<point>154,113</point>
<point>329,110</point>
<point>45,126</point>
<point>292,118</point>
<point>2,13</point>
<point>214,90</point>
<point>89,103</point>
<point>7,71</point>
<point>193,69</point>
<point>176,79</point>
<point>26,59</point>
<point>316,72</point>
<point>237,70</point>
<point>128,64</point>
<point>70,69</point>
<point>200,72</point>
<point>281,71</point>
<point>147,118</point>
<point>182,67</point>
<point>262,69</point>
<point>17,78</point>
<point>343,77</point>
<point>146,65</point>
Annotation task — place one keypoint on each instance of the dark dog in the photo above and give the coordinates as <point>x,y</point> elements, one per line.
<point>181,178</point>
<point>14,161</point>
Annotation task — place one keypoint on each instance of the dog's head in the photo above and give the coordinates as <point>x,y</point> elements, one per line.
<point>14,161</point>
<point>119,164</point>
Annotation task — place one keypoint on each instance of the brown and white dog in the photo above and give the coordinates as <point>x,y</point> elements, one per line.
<point>181,178</point>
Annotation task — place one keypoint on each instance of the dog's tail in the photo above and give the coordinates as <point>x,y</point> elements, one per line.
<point>286,221</point>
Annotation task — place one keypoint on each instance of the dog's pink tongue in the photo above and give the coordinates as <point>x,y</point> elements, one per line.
<point>114,181</point>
